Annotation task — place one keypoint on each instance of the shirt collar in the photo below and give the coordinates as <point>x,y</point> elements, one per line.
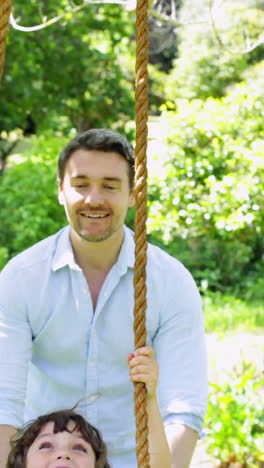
<point>64,254</point>
<point>126,258</point>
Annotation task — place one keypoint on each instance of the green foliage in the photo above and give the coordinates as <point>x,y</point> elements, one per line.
<point>3,257</point>
<point>70,69</point>
<point>210,59</point>
<point>206,206</point>
<point>235,421</point>
<point>28,197</point>
<point>224,312</point>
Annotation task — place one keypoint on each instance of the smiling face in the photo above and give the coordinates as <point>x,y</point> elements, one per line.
<point>95,193</point>
<point>60,450</point>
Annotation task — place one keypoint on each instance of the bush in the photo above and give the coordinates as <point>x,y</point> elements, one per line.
<point>71,70</point>
<point>224,312</point>
<point>235,421</point>
<point>28,197</point>
<point>211,60</point>
<point>206,206</point>
<point>3,257</point>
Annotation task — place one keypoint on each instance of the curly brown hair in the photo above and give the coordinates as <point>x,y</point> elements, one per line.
<point>25,437</point>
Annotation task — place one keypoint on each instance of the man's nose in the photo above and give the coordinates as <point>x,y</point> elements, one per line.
<point>94,196</point>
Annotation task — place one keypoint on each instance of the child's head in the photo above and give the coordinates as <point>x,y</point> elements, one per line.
<point>62,439</point>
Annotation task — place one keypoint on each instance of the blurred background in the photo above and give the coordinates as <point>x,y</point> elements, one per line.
<point>205,159</point>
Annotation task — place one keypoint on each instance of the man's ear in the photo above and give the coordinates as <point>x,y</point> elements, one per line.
<point>60,193</point>
<point>61,197</point>
<point>132,200</point>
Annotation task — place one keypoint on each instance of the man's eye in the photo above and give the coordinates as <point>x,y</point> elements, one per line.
<point>80,447</point>
<point>110,187</point>
<point>45,445</point>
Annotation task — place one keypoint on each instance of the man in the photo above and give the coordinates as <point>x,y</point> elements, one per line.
<point>66,314</point>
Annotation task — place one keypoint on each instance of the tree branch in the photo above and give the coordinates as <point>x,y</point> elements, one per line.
<point>173,21</point>
<point>131,4</point>
<point>45,24</point>
<point>4,154</point>
<point>247,50</point>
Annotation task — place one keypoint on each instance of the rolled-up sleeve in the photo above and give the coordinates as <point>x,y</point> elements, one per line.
<point>181,352</point>
<point>15,347</point>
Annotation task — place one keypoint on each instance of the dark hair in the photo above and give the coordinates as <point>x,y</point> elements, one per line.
<point>22,441</point>
<point>100,139</point>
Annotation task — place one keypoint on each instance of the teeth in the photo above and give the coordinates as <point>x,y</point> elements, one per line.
<point>94,215</point>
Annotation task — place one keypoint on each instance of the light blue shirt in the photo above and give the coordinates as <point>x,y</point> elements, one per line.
<point>56,351</point>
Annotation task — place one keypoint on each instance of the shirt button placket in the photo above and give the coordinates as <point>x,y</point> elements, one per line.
<point>92,394</point>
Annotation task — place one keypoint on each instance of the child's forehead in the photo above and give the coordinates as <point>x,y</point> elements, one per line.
<point>48,429</point>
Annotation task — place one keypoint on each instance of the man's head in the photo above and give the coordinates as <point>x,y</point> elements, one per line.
<point>96,177</point>
<point>99,139</point>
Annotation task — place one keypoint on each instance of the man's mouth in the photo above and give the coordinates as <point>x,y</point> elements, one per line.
<point>95,215</point>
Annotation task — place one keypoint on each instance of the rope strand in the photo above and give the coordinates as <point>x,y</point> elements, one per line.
<point>140,222</point>
<point>5,10</point>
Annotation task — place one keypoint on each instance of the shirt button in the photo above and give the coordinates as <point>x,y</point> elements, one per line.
<point>93,397</point>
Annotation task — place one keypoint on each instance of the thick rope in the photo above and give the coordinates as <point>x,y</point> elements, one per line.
<point>5,10</point>
<point>140,222</point>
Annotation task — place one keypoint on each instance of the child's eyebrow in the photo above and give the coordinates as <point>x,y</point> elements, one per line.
<point>44,435</point>
<point>48,434</point>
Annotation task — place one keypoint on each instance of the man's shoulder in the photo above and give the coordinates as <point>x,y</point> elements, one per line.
<point>36,254</point>
<point>157,258</point>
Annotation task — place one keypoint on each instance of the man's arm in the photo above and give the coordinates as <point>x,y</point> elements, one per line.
<point>180,349</point>
<point>182,441</point>
<point>15,355</point>
<point>6,432</point>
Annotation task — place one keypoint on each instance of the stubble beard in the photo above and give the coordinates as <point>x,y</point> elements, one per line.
<point>95,237</point>
<point>100,237</point>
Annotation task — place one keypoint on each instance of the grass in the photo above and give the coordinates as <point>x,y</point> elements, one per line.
<point>232,325</point>
<point>228,313</point>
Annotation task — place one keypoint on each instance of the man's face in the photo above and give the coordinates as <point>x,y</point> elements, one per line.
<point>95,193</point>
<point>60,450</point>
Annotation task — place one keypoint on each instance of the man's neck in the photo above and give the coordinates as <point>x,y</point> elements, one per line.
<point>96,256</point>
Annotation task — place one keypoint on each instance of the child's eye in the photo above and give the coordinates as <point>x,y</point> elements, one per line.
<point>45,445</point>
<point>80,447</point>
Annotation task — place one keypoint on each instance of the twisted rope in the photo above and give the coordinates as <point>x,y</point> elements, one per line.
<point>140,222</point>
<point>5,10</point>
